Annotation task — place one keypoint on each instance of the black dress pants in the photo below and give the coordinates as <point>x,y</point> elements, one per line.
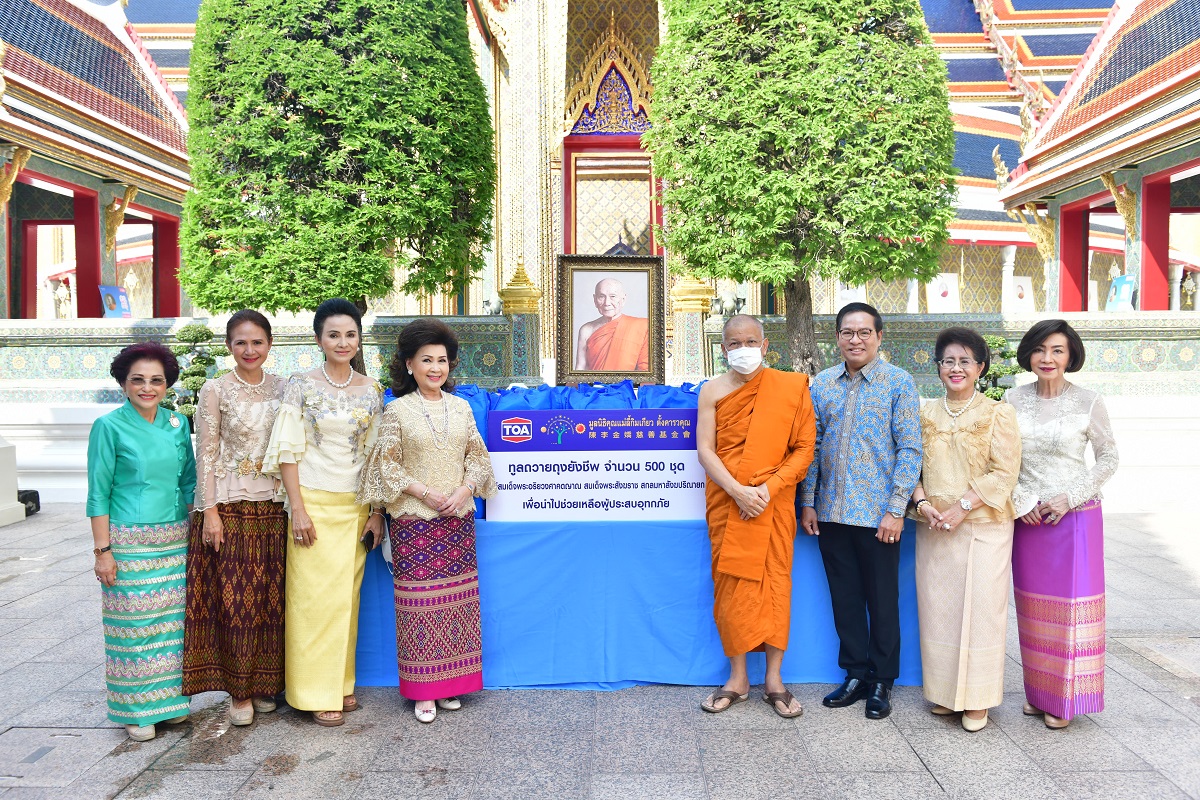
<point>864,578</point>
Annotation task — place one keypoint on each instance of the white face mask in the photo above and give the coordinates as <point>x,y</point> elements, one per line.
<point>745,359</point>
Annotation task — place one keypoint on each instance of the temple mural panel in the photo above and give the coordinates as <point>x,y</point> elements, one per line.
<point>587,21</point>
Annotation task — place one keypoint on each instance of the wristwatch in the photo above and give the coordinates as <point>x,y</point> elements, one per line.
<point>100,550</point>
<point>897,514</point>
<point>964,504</point>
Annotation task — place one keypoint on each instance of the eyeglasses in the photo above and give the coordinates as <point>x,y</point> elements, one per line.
<point>846,334</point>
<point>142,383</point>
<point>964,363</point>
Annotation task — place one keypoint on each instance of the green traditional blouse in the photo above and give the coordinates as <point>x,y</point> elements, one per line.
<point>140,473</point>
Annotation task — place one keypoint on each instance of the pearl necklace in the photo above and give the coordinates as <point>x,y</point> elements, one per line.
<point>440,438</point>
<point>334,383</point>
<point>247,383</point>
<point>961,411</point>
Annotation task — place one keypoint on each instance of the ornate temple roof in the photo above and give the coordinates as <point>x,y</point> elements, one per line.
<point>1135,95</point>
<point>77,87</point>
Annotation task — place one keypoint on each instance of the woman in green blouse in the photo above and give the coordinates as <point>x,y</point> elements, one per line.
<point>141,481</point>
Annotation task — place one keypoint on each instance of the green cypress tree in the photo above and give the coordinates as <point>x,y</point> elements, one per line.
<point>802,139</point>
<point>328,139</point>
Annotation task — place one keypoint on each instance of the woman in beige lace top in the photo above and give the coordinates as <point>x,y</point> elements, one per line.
<point>1058,547</point>
<point>427,465</point>
<point>233,636</point>
<point>972,454</point>
<point>324,429</point>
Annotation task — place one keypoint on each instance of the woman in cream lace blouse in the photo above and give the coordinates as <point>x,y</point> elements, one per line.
<point>972,454</point>
<point>1058,547</point>
<point>233,639</point>
<point>325,427</point>
<point>427,464</point>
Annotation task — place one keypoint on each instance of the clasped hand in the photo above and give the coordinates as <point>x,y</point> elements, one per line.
<point>1050,512</point>
<point>751,500</point>
<point>447,505</point>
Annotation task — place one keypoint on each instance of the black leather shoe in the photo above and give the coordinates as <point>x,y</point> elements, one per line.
<point>850,692</point>
<point>879,703</point>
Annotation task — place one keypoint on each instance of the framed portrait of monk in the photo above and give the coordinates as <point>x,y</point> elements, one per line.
<point>610,319</point>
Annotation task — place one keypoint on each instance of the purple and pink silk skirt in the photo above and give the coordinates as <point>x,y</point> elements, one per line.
<point>1058,577</point>
<point>438,642</point>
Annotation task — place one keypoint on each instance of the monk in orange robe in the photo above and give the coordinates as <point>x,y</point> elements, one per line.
<point>614,341</point>
<point>755,439</point>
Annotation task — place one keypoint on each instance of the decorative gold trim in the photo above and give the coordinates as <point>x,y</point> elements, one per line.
<point>690,295</point>
<point>612,49</point>
<point>114,217</point>
<point>1039,228</point>
<point>520,296</point>
<point>1125,199</point>
<point>20,158</point>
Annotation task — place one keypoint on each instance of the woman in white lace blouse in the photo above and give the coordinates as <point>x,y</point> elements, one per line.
<point>233,638</point>
<point>324,429</point>
<point>1058,543</point>
<point>427,464</point>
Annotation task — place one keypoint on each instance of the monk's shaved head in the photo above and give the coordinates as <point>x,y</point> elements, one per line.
<point>739,322</point>
<point>609,298</point>
<point>610,285</point>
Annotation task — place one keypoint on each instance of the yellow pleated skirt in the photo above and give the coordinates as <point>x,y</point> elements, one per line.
<point>321,617</point>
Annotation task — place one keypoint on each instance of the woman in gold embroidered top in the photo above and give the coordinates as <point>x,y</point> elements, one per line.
<point>972,454</point>
<point>324,429</point>
<point>141,480</point>
<point>428,463</point>
<point>233,640</point>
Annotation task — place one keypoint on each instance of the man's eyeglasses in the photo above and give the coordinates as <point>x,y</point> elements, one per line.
<point>142,383</point>
<point>846,334</point>
<point>964,363</point>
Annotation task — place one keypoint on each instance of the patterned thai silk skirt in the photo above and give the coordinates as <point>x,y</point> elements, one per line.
<point>1058,577</point>
<point>438,642</point>
<point>143,623</point>
<point>233,640</point>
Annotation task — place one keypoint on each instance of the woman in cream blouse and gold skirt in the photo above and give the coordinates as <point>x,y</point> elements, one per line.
<point>324,428</point>
<point>427,464</point>
<point>972,456</point>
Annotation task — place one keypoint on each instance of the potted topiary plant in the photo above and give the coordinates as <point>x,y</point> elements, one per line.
<point>1002,366</point>
<point>197,356</point>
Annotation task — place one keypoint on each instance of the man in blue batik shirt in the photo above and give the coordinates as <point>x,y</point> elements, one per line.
<point>867,464</point>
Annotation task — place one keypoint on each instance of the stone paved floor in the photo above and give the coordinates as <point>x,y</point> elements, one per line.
<point>648,742</point>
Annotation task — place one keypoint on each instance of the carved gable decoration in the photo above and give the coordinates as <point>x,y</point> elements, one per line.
<point>612,94</point>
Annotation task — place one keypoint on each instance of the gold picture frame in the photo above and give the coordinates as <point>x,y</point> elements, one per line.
<point>617,351</point>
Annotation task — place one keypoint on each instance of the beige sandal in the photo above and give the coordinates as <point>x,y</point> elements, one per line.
<point>326,719</point>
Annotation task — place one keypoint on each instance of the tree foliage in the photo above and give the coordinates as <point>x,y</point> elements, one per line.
<point>1002,366</point>
<point>802,139</point>
<point>329,140</point>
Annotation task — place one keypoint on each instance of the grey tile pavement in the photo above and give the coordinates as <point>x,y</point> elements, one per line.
<point>645,742</point>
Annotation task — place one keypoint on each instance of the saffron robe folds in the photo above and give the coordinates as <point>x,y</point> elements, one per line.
<point>621,345</point>
<point>766,433</point>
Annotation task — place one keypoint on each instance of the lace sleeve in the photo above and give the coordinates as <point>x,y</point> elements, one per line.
<point>287,443</point>
<point>1024,500</point>
<point>478,465</point>
<point>208,444</point>
<point>1104,448</point>
<point>383,478</point>
<point>995,487</point>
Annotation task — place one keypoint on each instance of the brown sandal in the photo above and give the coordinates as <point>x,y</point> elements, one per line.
<point>785,697</point>
<point>328,722</point>
<point>350,703</point>
<point>710,702</point>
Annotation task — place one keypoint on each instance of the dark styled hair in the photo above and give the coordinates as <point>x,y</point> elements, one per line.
<point>1042,331</point>
<point>852,308</point>
<point>247,315</point>
<point>145,351</point>
<point>334,307</point>
<point>967,338</point>
<point>415,335</point>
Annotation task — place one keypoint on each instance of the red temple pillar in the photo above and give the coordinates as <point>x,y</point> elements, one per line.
<point>1154,294</point>
<point>88,254</point>
<point>166,266</point>
<point>1072,257</point>
<point>27,298</point>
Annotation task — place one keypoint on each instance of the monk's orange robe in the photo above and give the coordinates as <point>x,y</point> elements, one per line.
<point>766,433</point>
<point>621,345</point>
